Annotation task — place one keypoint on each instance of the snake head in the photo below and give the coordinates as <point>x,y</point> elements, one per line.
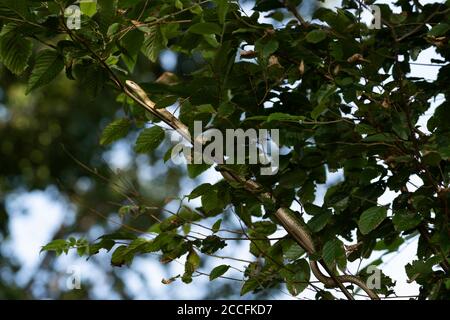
<point>132,85</point>
<point>138,91</point>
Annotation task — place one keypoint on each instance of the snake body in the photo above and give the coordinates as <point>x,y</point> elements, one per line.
<point>139,95</point>
<point>287,218</point>
<point>299,232</point>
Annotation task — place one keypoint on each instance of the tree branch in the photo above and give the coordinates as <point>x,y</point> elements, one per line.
<point>293,9</point>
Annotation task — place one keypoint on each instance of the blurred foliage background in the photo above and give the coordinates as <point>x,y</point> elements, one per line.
<point>51,143</point>
<point>50,150</point>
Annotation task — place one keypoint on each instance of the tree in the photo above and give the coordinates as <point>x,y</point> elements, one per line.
<point>340,95</point>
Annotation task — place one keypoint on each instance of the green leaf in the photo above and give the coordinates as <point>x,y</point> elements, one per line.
<point>333,251</point>
<point>205,108</point>
<point>19,7</point>
<point>120,235</point>
<point>399,125</point>
<point>432,158</point>
<point>171,223</point>
<point>103,244</point>
<point>313,209</point>
<point>316,36</point>
<point>265,228</point>
<point>371,218</point>
<point>192,262</point>
<point>222,9</point>
<point>323,96</point>
<point>200,190</point>
<point>380,137</point>
<point>205,28</point>
<point>194,170</point>
<point>149,139</point>
<point>278,116</point>
<point>298,279</point>
<point>216,226</point>
<point>212,244</point>
<point>196,9</point>
<point>439,30</point>
<point>211,40</point>
<point>267,5</point>
<point>88,8</point>
<point>418,268</point>
<point>249,285</point>
<point>307,192</point>
<point>218,272</point>
<point>293,179</point>
<point>226,109</point>
<point>294,252</point>
<point>318,222</point>
<point>154,42</point>
<point>125,254</point>
<point>277,15</point>
<point>15,49</point>
<point>119,256</point>
<point>92,77</point>
<point>115,131</point>
<point>107,10</point>
<point>365,129</point>
<point>210,200</point>
<point>404,220</point>
<point>130,46</point>
<point>56,245</point>
<point>178,4</point>
<point>269,48</point>
<point>49,64</point>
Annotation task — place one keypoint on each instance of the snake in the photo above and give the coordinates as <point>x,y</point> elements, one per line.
<point>287,217</point>
<point>295,228</point>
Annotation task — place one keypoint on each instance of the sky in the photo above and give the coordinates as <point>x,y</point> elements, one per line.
<point>36,215</point>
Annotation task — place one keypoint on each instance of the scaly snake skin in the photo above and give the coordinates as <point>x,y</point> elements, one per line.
<point>287,218</point>
<point>294,228</point>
